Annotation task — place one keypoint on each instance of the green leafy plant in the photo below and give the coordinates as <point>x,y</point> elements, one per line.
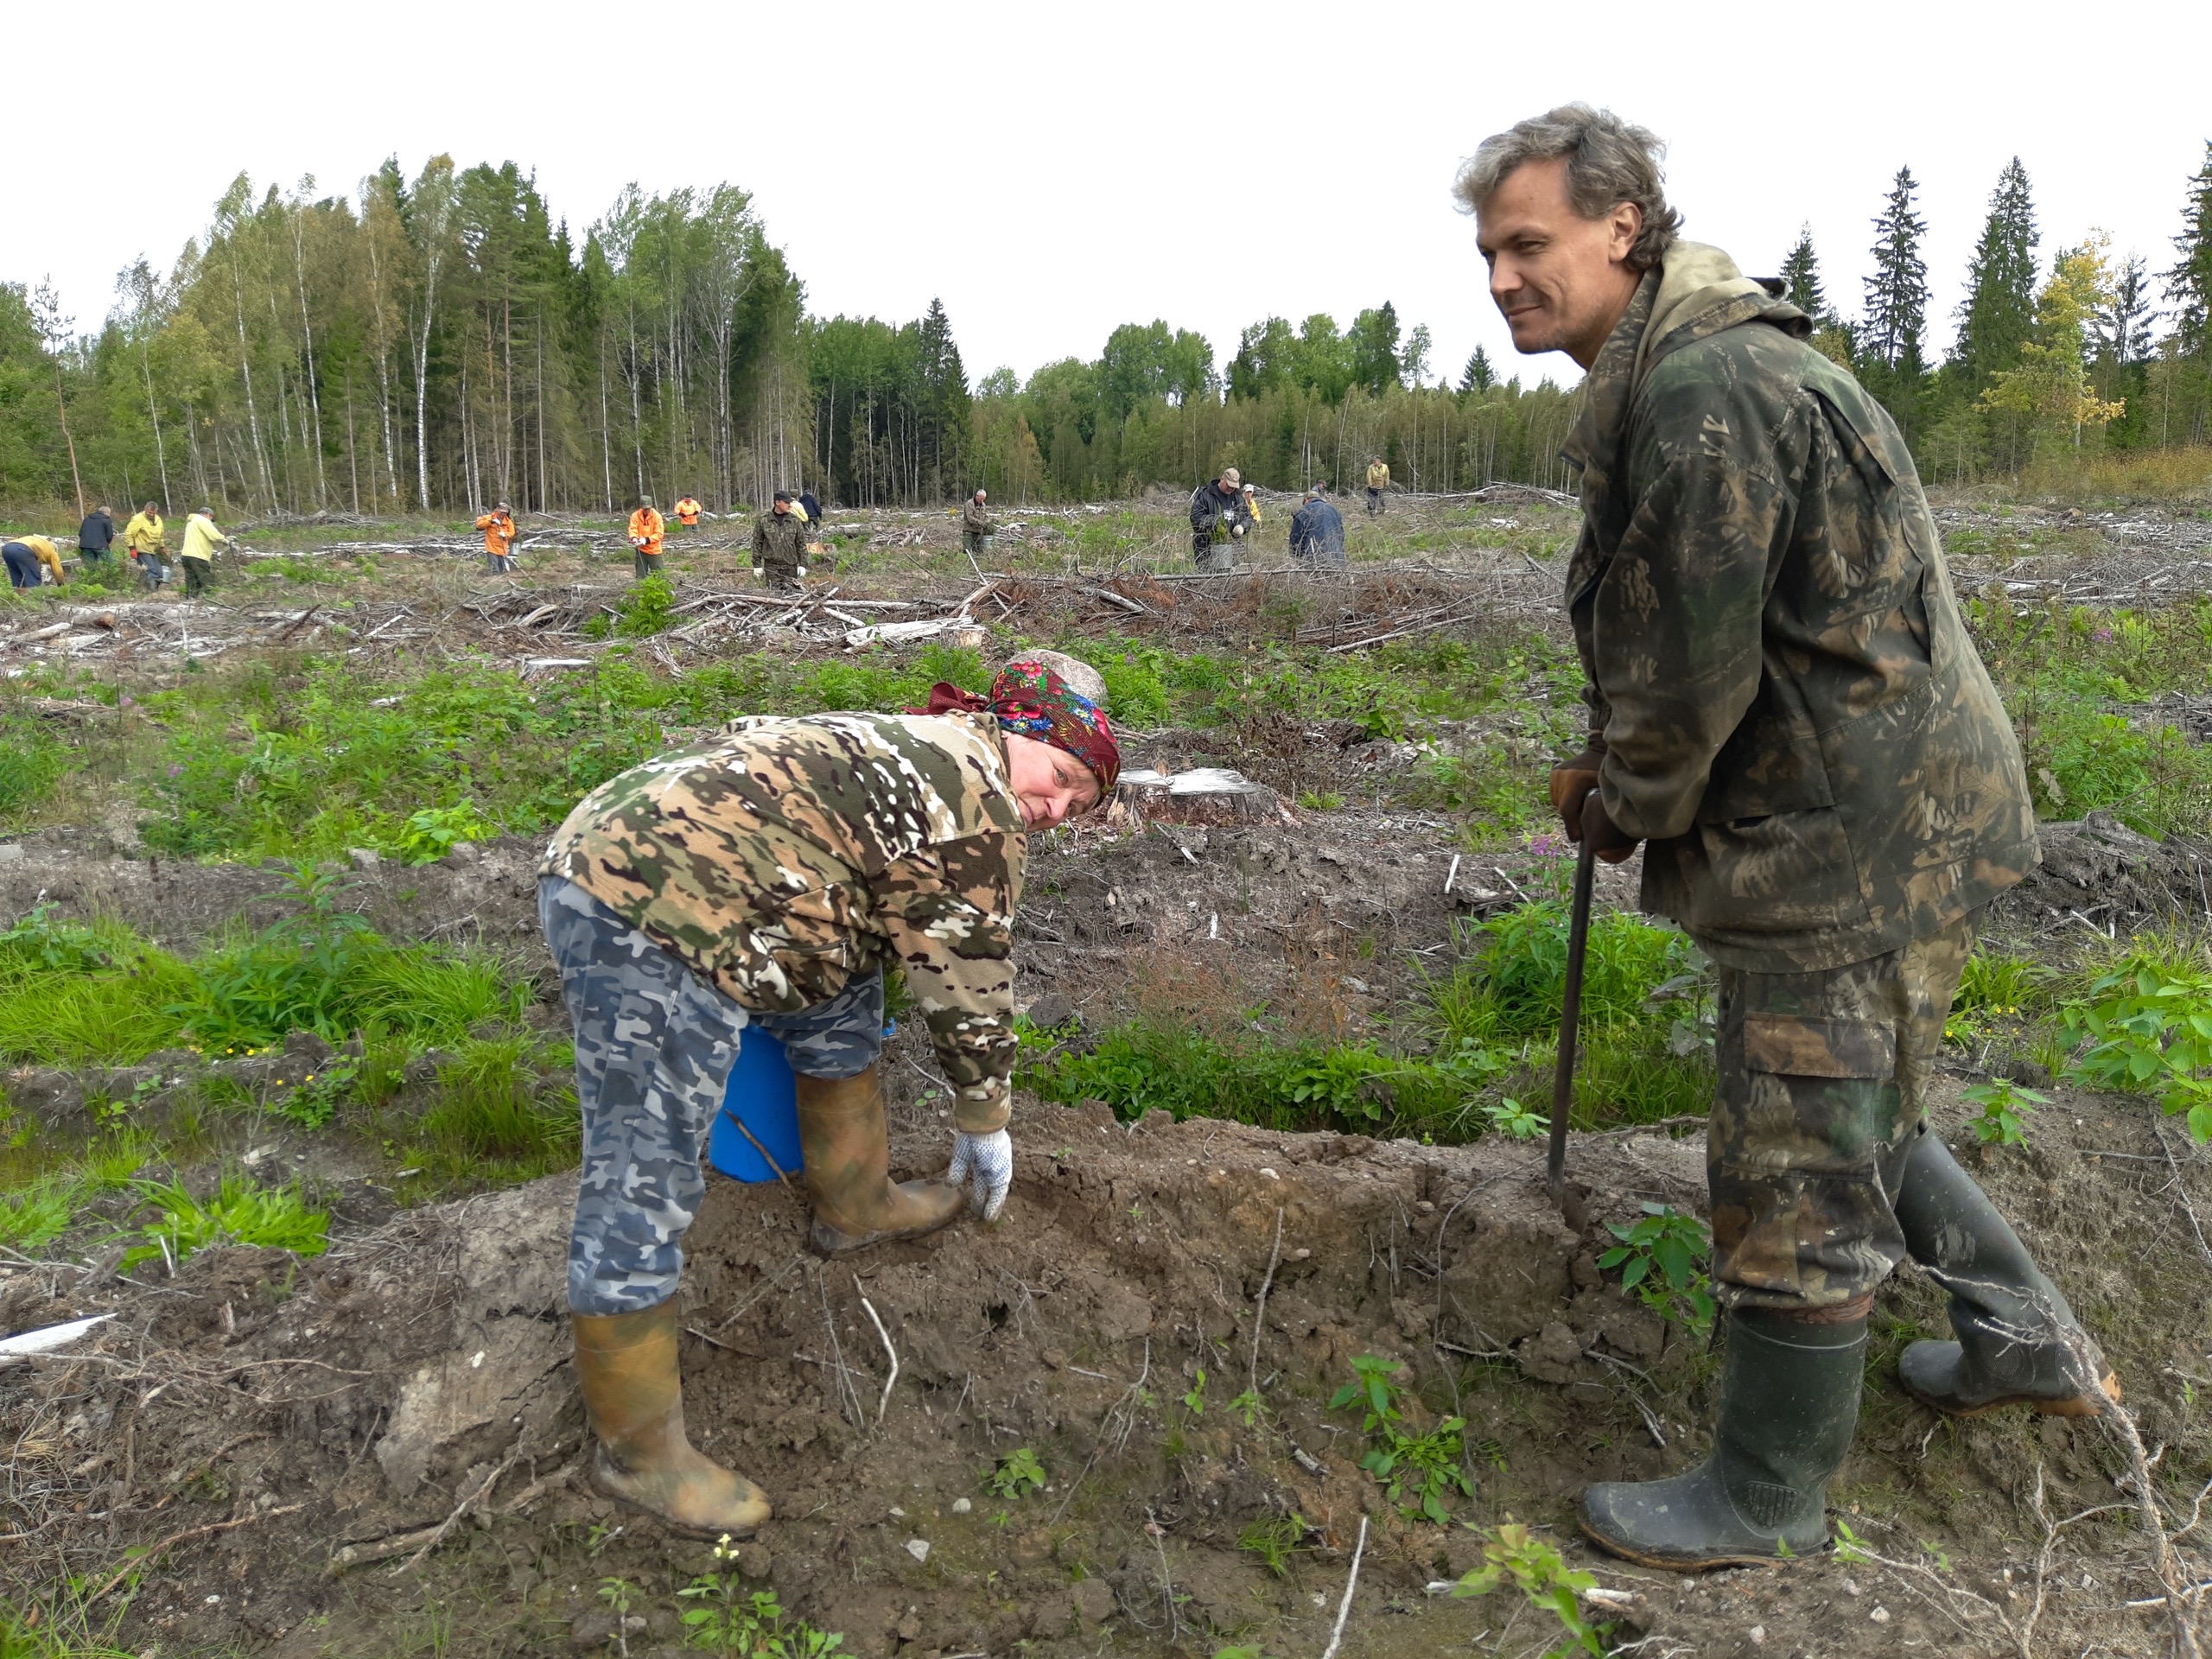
<point>1016,1475</point>
<point>1658,1256</point>
<point>428,835</point>
<point>1276,1541</point>
<point>1195,1401</point>
<point>1249,1407</point>
<point>620,1595</point>
<point>239,1213</point>
<point>1510,1117</point>
<point>726,1619</point>
<point>32,1218</point>
<point>1416,1470</point>
<point>2147,1028</point>
<point>1513,1555</point>
<point>2001,1104</point>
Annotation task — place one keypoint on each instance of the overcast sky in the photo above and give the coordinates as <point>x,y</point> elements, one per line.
<point>1052,171</point>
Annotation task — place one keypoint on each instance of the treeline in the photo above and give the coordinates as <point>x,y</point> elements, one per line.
<point>2046,358</point>
<point>444,342</point>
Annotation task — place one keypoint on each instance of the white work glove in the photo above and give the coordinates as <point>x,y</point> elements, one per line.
<point>1237,531</point>
<point>802,570</point>
<point>984,1163</point>
<point>759,572</point>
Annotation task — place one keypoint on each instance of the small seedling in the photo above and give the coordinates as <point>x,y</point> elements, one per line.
<point>1658,1257</point>
<point>729,1619</point>
<point>1017,1474</point>
<point>2003,1105</point>
<point>1510,1117</point>
<point>619,1594</point>
<point>1195,1401</point>
<point>1250,1407</point>
<point>1416,1470</point>
<point>1276,1541</point>
<point>1511,1554</point>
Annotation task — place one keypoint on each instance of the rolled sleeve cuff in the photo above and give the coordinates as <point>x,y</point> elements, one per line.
<point>983,1108</point>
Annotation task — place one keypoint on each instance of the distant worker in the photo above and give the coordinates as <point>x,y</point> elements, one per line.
<point>499,527</point>
<point>1219,521</point>
<point>779,543</point>
<point>96,543</point>
<point>1317,533</point>
<point>1252,507</point>
<point>647,529</point>
<point>201,538</point>
<point>144,539</point>
<point>810,506</point>
<point>688,510</point>
<point>30,559</point>
<point>1378,480</point>
<point>975,526</point>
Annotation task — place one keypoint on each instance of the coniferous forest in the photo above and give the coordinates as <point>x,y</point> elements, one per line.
<point>446,341</point>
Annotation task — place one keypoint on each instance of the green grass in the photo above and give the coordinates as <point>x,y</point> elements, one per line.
<point>1487,1030</point>
<point>239,1213</point>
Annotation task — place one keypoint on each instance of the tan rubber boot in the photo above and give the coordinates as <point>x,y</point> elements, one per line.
<point>842,1135</point>
<point>634,1397</point>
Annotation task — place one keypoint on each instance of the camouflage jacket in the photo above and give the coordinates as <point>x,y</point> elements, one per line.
<point>778,541</point>
<point>1791,711</point>
<point>784,858</point>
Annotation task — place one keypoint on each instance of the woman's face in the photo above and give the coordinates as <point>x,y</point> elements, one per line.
<point>1050,785</point>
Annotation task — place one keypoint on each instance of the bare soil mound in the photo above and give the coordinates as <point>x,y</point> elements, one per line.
<point>285,1437</point>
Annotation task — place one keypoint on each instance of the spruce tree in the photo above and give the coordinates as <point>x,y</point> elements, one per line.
<point>1998,315</point>
<point>1479,375</point>
<point>1897,306</point>
<point>2188,283</point>
<point>1801,271</point>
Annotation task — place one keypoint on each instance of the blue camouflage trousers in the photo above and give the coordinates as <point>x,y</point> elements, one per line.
<point>654,1048</point>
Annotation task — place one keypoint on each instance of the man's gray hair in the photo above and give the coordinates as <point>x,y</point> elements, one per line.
<point>1608,162</point>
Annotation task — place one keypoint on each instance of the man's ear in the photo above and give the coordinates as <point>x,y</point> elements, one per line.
<point>1626,224</point>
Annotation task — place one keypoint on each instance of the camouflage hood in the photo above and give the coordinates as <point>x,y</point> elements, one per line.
<point>1695,291</point>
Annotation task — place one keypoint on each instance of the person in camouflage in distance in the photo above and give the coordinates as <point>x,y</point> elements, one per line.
<point>779,543</point>
<point>1786,711</point>
<point>769,876</point>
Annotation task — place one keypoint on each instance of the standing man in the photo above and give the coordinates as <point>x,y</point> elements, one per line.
<point>1785,706</point>
<point>768,876</point>
<point>807,505</point>
<point>976,527</point>
<point>779,543</point>
<point>1219,521</point>
<point>95,543</point>
<point>499,527</point>
<point>201,538</point>
<point>646,530</point>
<point>1317,533</point>
<point>1378,480</point>
<point>687,513</point>
<point>143,539</point>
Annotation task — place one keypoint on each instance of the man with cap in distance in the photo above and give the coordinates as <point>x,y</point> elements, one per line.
<point>975,527</point>
<point>1219,521</point>
<point>779,543</point>
<point>769,876</point>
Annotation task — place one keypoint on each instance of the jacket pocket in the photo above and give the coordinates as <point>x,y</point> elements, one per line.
<point>1784,871</point>
<point>1810,1045</point>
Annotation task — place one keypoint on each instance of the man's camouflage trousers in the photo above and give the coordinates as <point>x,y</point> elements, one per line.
<point>654,1048</point>
<point>1823,1079</point>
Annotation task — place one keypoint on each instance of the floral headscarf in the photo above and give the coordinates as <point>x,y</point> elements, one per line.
<point>1030,698</point>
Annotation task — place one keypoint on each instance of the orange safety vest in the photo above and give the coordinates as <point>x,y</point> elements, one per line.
<point>499,533</point>
<point>687,512</point>
<point>647,529</point>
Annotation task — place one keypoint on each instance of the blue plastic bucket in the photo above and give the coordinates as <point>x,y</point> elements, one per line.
<point>763,1096</point>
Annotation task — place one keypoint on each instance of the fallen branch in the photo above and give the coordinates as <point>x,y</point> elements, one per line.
<point>1351,1583</point>
<point>882,1405</point>
<point>438,1533</point>
<point>1259,1313</point>
<point>140,1563</point>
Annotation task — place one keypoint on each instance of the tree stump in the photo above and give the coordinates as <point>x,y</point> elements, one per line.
<point>1204,795</point>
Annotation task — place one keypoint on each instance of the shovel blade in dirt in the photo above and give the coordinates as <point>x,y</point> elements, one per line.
<point>1570,1023</point>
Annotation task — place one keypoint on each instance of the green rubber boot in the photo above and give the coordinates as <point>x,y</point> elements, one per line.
<point>1789,1403</point>
<point>2019,1342</point>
